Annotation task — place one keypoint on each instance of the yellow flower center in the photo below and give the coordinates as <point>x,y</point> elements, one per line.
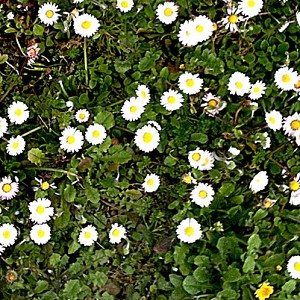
<point>87,235</point>
<point>41,233</point>
<point>15,145</point>
<point>6,234</point>
<point>124,4</point>
<point>40,209</point>
<point>215,26</point>
<point>272,120</point>
<point>200,28</point>
<point>168,12</point>
<point>233,19</point>
<point>71,139</point>
<point>96,134</point>
<point>212,103</point>
<point>6,188</point>
<point>268,204</point>
<point>81,116</point>
<point>116,233</point>
<point>171,99</point>
<point>297,85</point>
<point>206,161</point>
<point>18,112</point>
<point>150,182</point>
<point>133,109</point>
<point>49,14</point>
<point>286,78</point>
<point>86,24</point>
<point>147,137</point>
<point>202,194</point>
<point>187,179</point>
<point>144,95</point>
<point>190,82</point>
<point>295,124</point>
<point>196,156</point>
<point>256,89</point>
<point>294,185</point>
<point>45,185</point>
<point>251,3</point>
<point>189,231</point>
<point>239,85</point>
<point>297,266</point>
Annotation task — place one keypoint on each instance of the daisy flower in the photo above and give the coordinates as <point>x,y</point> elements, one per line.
<point>82,115</point>
<point>8,234</point>
<point>15,145</point>
<point>203,28</point>
<point>86,25</point>
<point>202,194</point>
<point>259,181</point>
<point>189,230</point>
<point>206,162</point>
<point>265,290</point>
<point>40,233</point>
<point>257,90</point>
<point>295,183</point>
<point>194,157</point>
<point>3,126</point>
<point>71,139</point>
<point>188,178</point>
<point>212,104</point>
<point>187,34</point>
<point>147,138</point>
<point>293,266</point>
<point>95,134</point>
<point>18,112</point>
<point>238,84</point>
<point>171,100</point>
<point>286,78</point>
<point>250,8</point>
<point>48,13</point>
<point>234,151</point>
<point>40,210</point>
<point>88,235</point>
<point>124,5</point>
<point>291,124</point>
<point>167,12</point>
<point>274,120</point>
<point>44,185</point>
<point>151,183</point>
<point>295,198</point>
<point>132,109</point>
<point>190,83</point>
<point>33,51</point>
<point>8,188</point>
<point>232,18</point>
<point>116,233</point>
<point>143,93</point>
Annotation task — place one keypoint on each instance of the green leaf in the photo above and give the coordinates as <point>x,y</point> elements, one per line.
<point>10,30</point>
<point>36,156</point>
<point>106,119</point>
<point>121,157</point>
<point>3,58</point>
<point>254,242</point>
<point>191,285</point>
<point>134,194</point>
<point>228,294</point>
<point>199,137</point>
<point>122,66</point>
<point>170,161</point>
<point>41,286</point>
<point>69,193</point>
<point>48,296</point>
<point>91,193</point>
<point>289,286</point>
<point>260,214</point>
<point>226,189</point>
<point>74,246</point>
<point>72,289</point>
<point>38,30</point>
<point>232,275</point>
<point>176,280</point>
<point>249,264</point>
<point>147,62</point>
<point>202,274</point>
<point>98,279</point>
<point>54,259</point>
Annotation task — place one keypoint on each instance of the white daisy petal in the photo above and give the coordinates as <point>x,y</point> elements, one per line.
<point>40,210</point>
<point>257,90</point>
<point>189,230</point>
<point>117,233</point>
<point>132,109</point>
<point>125,5</point>
<point>8,188</point>
<point>171,100</point>
<point>3,126</point>
<point>250,8</point>
<point>286,78</point>
<point>15,145</point>
<point>82,115</point>
<point>86,25</point>
<point>274,120</point>
<point>143,94</point>
<point>71,139</point>
<point>18,112</point>
<point>259,181</point>
<point>293,266</point>
<point>204,28</point>
<point>8,234</point>
<point>238,84</point>
<point>202,194</point>
<point>151,183</point>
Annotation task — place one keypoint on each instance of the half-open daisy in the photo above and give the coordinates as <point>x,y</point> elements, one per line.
<point>124,5</point>
<point>151,183</point>
<point>8,188</point>
<point>259,181</point>
<point>171,100</point>
<point>88,235</point>
<point>291,124</point>
<point>8,234</point>
<point>15,145</point>
<point>189,230</point>
<point>188,178</point>
<point>71,139</point>
<point>48,13</point>
<point>3,126</point>
<point>203,28</point>
<point>293,266</point>
<point>82,115</point>
<point>143,94</point>
<point>132,109</point>
<point>40,233</point>
<point>202,194</point>
<point>286,78</point>
<point>18,112</point>
<point>250,8</point>
<point>274,120</point>
<point>40,210</point>
<point>238,84</point>
<point>86,25</point>
<point>257,90</point>
<point>190,83</point>
<point>147,138</point>
<point>95,134</point>
<point>167,12</point>
<point>212,104</point>
<point>117,233</point>
<point>44,185</point>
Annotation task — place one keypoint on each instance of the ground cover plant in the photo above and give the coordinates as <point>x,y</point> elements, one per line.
<point>149,149</point>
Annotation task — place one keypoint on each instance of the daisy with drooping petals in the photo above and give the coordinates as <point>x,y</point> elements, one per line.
<point>231,20</point>
<point>82,115</point>
<point>204,28</point>
<point>250,8</point>
<point>95,134</point>
<point>15,145</point>
<point>257,90</point>
<point>48,13</point>
<point>132,109</point>
<point>18,112</point>
<point>143,94</point>
<point>86,25</point>
<point>8,234</point>
<point>88,235</point>
<point>213,104</point>
<point>3,126</point>
<point>8,188</point>
<point>293,266</point>
<point>116,233</point>
<point>187,34</point>
<point>71,139</point>
<point>264,291</point>
<point>190,83</point>
<point>44,185</point>
<point>124,5</point>
<point>40,210</point>
<point>259,181</point>
<point>202,194</point>
<point>286,78</point>
<point>274,120</point>
<point>151,183</point>
<point>167,12</point>
<point>147,138</point>
<point>238,84</point>
<point>171,100</point>
<point>189,230</point>
<point>291,124</point>
<point>40,233</point>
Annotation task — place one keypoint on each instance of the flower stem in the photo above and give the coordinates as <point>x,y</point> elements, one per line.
<point>56,170</point>
<point>85,62</point>
<point>32,130</point>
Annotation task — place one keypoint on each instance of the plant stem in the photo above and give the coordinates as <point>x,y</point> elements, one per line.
<point>32,130</point>
<point>85,62</point>
<point>56,170</point>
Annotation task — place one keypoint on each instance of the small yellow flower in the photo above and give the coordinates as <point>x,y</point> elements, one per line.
<point>264,291</point>
<point>278,268</point>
